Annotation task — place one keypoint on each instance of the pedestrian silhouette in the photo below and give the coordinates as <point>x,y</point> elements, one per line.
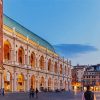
<point>37,93</point>
<point>3,92</point>
<point>88,94</point>
<point>30,93</point>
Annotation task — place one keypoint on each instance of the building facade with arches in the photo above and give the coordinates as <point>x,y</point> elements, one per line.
<point>30,61</point>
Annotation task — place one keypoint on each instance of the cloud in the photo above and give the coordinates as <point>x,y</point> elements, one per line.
<point>73,50</point>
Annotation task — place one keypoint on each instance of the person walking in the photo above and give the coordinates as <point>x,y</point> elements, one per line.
<point>37,93</point>
<point>3,92</point>
<point>30,93</point>
<point>88,95</point>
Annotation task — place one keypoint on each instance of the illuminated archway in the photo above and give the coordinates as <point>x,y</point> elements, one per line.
<point>49,84</point>
<point>33,82</point>
<point>42,83</point>
<point>49,65</point>
<point>55,67</point>
<point>7,50</point>
<point>20,82</point>
<point>21,55</point>
<point>32,59</point>
<point>7,81</point>
<point>41,62</point>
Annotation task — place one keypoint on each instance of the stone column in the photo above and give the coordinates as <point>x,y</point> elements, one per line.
<point>25,85</point>
<point>46,83</point>
<point>28,83</point>
<point>53,84</point>
<point>14,82</point>
<point>0,80</point>
<point>58,84</point>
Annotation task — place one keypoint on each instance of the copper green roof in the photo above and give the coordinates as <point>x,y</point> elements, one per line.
<point>24,31</point>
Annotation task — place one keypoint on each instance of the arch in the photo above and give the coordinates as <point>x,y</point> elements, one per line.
<point>49,84</point>
<point>7,81</point>
<point>60,68</point>
<point>55,84</point>
<point>32,59</point>
<point>49,65</point>
<point>7,50</point>
<point>20,82</point>
<point>55,67</point>
<point>42,83</point>
<point>41,62</point>
<point>33,80</point>
<point>21,55</point>
<point>61,84</point>
<point>65,84</point>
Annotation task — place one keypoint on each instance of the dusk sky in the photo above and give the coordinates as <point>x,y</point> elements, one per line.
<point>72,26</point>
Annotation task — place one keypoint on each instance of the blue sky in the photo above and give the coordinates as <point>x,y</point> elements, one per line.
<point>72,26</point>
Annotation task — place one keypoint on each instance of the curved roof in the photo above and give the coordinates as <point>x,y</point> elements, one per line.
<point>24,31</point>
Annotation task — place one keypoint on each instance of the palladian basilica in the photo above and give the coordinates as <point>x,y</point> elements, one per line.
<point>29,60</point>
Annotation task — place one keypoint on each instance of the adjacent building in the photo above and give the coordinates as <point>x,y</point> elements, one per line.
<point>84,75</point>
<point>77,76</point>
<point>92,77</point>
<point>28,60</point>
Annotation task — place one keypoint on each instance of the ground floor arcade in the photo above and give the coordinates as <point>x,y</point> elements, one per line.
<point>17,79</point>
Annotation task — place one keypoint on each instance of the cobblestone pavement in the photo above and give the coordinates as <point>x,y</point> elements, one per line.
<point>46,96</point>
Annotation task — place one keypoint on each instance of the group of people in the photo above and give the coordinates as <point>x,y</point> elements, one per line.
<point>2,92</point>
<point>33,93</point>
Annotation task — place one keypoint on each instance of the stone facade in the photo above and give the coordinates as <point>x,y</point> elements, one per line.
<point>1,42</point>
<point>28,64</point>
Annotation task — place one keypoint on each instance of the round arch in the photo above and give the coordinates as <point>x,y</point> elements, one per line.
<point>61,84</point>
<point>7,81</point>
<point>33,80</point>
<point>32,59</point>
<point>20,82</point>
<point>65,85</point>
<point>21,55</point>
<point>55,67</point>
<point>49,65</point>
<point>49,84</point>
<point>42,83</point>
<point>55,84</point>
<point>41,62</point>
<point>7,50</point>
<point>60,68</point>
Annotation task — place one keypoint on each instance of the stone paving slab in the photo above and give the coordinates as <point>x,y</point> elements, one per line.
<point>46,96</point>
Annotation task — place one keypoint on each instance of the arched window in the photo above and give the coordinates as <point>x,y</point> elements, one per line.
<point>32,59</point>
<point>42,62</point>
<point>42,83</point>
<point>33,81</point>
<point>49,65</point>
<point>49,84</point>
<point>55,67</point>
<point>60,68</point>
<point>21,55</point>
<point>7,50</point>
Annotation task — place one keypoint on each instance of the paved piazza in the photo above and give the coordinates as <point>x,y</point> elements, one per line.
<point>46,96</point>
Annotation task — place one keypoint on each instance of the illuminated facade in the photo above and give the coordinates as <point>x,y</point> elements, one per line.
<point>77,77</point>
<point>92,77</point>
<point>29,60</point>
